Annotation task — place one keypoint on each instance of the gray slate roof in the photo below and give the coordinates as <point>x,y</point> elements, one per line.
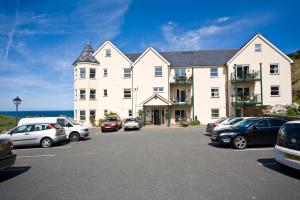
<point>194,58</point>
<point>87,55</point>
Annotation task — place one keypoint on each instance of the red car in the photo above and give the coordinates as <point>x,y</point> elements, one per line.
<point>112,123</point>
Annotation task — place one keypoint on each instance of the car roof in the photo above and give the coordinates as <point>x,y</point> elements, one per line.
<point>294,122</point>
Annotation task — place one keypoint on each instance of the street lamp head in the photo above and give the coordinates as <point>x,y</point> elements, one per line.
<point>17,101</point>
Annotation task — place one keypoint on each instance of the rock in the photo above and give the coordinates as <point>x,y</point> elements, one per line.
<point>278,109</point>
<point>295,105</point>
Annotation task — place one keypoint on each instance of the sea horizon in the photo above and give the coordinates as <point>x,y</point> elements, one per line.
<point>38,113</point>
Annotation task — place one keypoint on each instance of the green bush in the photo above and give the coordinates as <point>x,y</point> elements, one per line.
<point>195,122</point>
<point>100,121</point>
<point>292,112</point>
<point>111,113</point>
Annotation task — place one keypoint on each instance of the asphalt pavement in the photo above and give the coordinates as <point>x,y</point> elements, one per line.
<point>150,164</point>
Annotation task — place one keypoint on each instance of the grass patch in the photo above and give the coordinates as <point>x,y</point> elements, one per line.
<point>6,123</point>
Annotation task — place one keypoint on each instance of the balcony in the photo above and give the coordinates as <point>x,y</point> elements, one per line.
<point>183,101</point>
<point>181,80</point>
<point>246,100</point>
<point>245,77</point>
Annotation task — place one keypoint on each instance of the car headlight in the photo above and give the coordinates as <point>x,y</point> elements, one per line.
<point>227,134</point>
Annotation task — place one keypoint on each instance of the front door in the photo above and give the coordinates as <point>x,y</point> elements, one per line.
<point>21,135</point>
<point>242,72</point>
<point>156,117</point>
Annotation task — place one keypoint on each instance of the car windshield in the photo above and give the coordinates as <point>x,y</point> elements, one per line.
<point>111,119</point>
<point>234,121</point>
<point>73,121</point>
<point>245,123</point>
<point>130,120</point>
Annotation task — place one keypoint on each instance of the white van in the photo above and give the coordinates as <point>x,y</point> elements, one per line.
<point>74,130</point>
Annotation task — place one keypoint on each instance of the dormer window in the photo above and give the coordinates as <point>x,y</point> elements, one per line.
<point>107,52</point>
<point>258,48</point>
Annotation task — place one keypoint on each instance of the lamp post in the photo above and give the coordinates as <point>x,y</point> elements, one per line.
<point>17,101</point>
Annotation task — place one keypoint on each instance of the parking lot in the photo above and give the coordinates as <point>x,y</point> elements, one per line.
<point>153,163</point>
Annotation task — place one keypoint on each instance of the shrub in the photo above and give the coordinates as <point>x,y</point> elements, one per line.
<point>195,122</point>
<point>292,112</point>
<point>111,113</point>
<point>100,121</point>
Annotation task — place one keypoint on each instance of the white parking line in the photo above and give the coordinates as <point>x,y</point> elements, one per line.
<point>62,147</point>
<point>36,156</point>
<point>255,149</point>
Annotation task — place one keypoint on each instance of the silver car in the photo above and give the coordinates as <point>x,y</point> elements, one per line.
<point>43,134</point>
<point>131,123</point>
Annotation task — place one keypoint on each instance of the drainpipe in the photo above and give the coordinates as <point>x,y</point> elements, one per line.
<point>261,87</point>
<point>132,92</point>
<point>193,93</point>
<point>235,91</point>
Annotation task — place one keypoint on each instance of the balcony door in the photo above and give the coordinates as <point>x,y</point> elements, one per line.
<point>243,93</point>
<point>242,71</point>
<point>181,95</point>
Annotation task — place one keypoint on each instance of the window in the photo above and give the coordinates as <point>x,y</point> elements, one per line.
<point>75,73</point>
<point>127,93</point>
<point>105,72</point>
<point>107,52</point>
<point>82,115</point>
<point>214,92</point>
<point>75,114</point>
<point>75,94</point>
<point>262,124</point>
<point>105,111</point>
<point>22,129</point>
<point>158,71</point>
<point>180,73</point>
<point>274,69</point>
<point>257,47</point>
<point>180,114</point>
<point>82,73</point>
<point>92,73</point>
<point>92,94</point>
<point>215,113</point>
<point>127,72</point>
<point>277,122</point>
<point>275,90</point>
<point>105,92</point>
<point>214,72</point>
<point>130,113</point>
<point>92,114</point>
<point>158,89</point>
<point>82,94</point>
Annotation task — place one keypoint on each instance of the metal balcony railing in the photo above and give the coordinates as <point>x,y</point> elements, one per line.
<point>246,100</point>
<point>245,77</point>
<point>184,101</point>
<point>181,80</point>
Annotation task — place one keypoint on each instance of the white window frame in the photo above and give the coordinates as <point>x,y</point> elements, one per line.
<point>180,72</point>
<point>95,96</point>
<point>275,95</point>
<point>95,74</point>
<point>82,95</point>
<point>75,73</point>
<point>258,47</point>
<point>75,95</point>
<point>129,112</point>
<point>158,89</point>
<point>82,117</point>
<point>105,111</point>
<point>127,74</point>
<point>278,70</point>
<point>94,113</point>
<point>105,93</point>
<point>81,70</point>
<point>105,72</point>
<point>217,114</point>
<point>214,94</point>
<point>160,72</point>
<point>107,52</point>
<point>128,91</point>
<point>211,73</point>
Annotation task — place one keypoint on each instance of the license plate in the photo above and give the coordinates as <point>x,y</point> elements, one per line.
<point>107,126</point>
<point>292,157</point>
<point>2,147</point>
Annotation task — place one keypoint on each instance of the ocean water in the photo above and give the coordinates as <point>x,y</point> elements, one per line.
<point>22,114</point>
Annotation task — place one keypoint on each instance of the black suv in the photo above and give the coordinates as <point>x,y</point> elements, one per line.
<point>253,131</point>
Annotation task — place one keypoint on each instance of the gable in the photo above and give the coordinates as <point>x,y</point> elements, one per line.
<point>258,38</point>
<point>149,51</point>
<point>156,100</point>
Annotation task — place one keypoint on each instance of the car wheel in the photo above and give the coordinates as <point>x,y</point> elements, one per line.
<point>240,142</point>
<point>46,142</point>
<point>74,137</point>
<point>117,129</point>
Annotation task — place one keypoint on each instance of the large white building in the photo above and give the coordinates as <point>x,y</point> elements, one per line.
<point>166,86</point>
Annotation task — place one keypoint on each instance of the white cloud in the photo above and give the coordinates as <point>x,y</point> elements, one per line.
<point>223,19</point>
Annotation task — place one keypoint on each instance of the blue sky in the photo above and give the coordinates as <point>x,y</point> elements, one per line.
<point>39,40</point>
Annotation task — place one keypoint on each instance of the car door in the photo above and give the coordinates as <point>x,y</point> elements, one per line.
<point>21,135</point>
<point>66,124</point>
<point>275,126</point>
<point>259,132</point>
